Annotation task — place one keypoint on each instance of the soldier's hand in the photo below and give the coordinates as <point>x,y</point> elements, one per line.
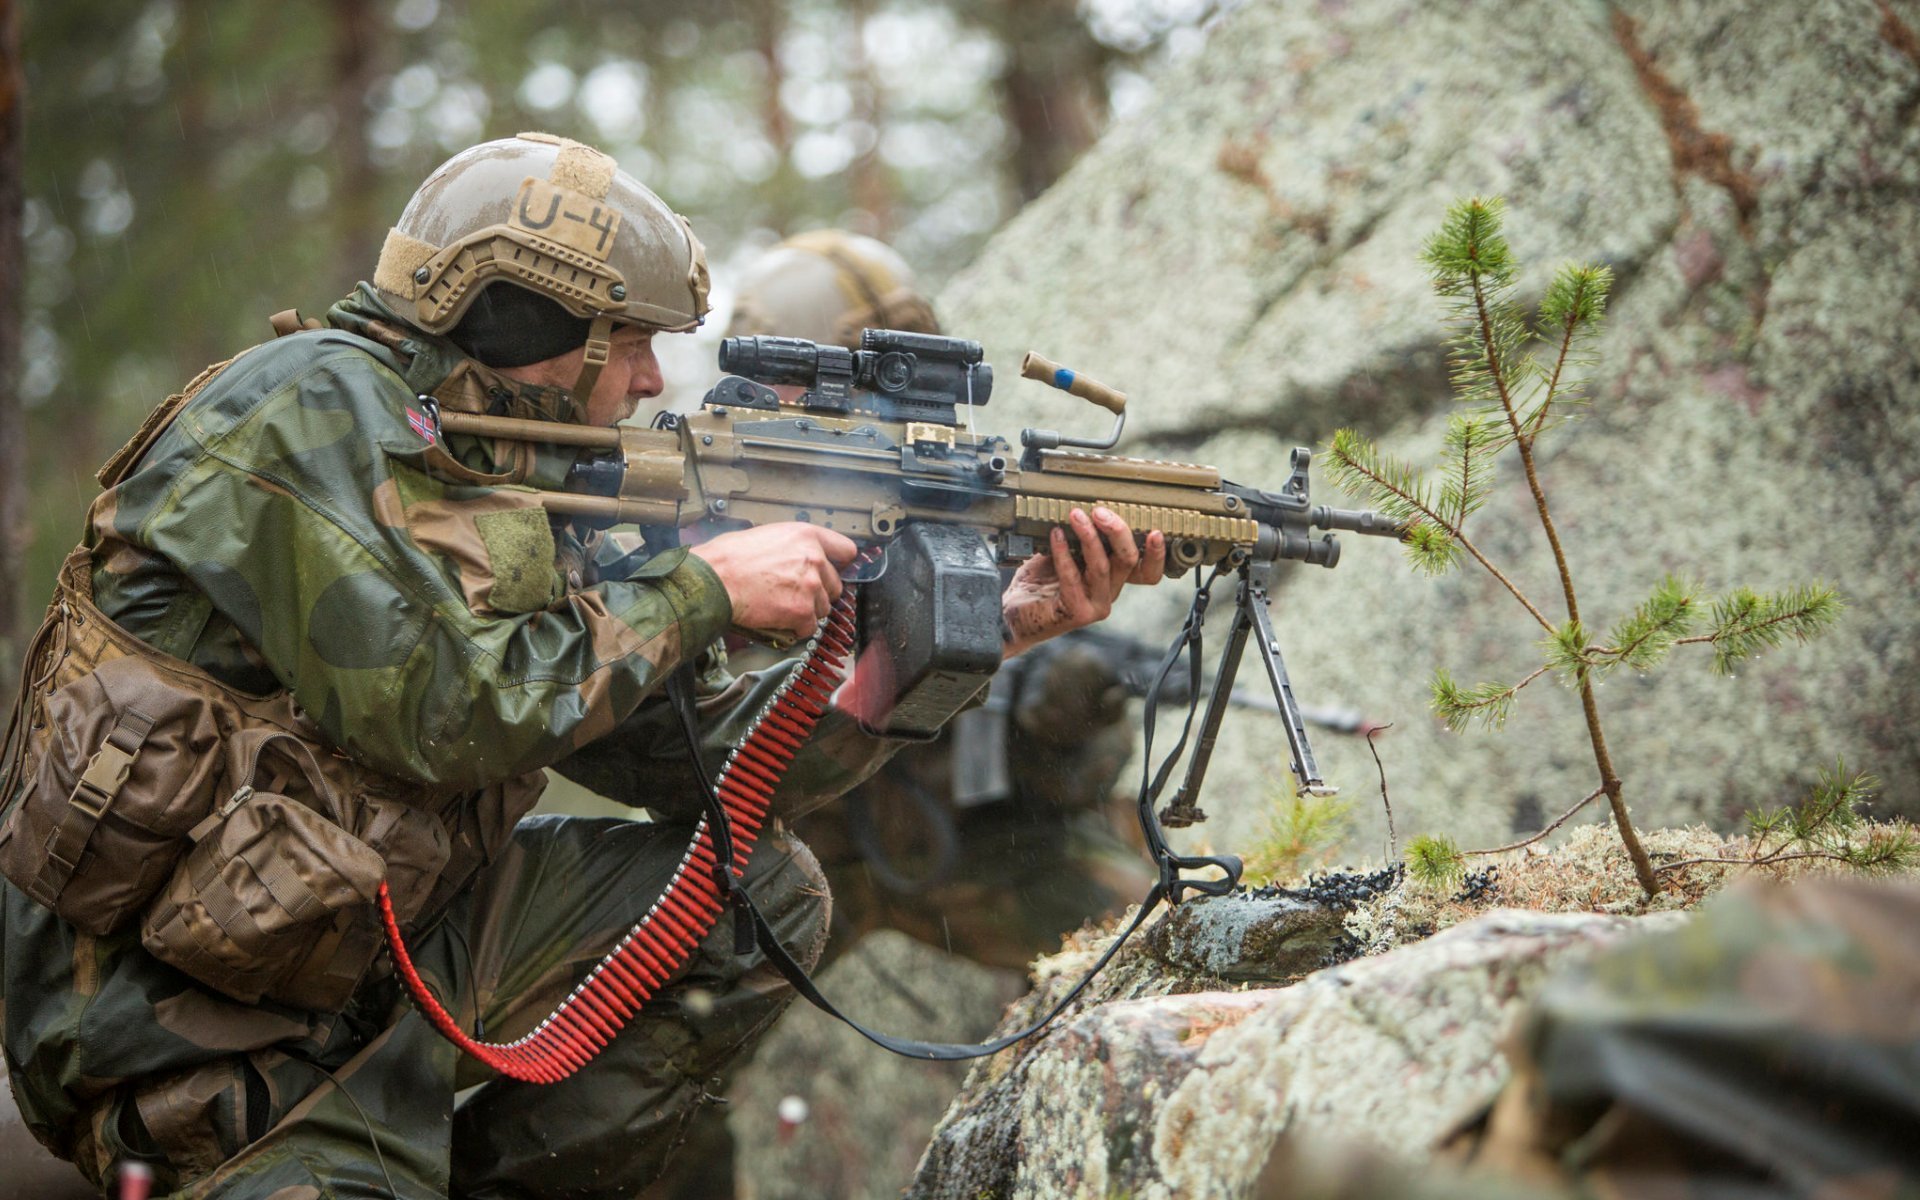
<point>781,578</point>
<point>1051,593</point>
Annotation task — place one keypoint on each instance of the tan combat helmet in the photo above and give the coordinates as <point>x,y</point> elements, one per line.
<point>826,286</point>
<point>555,217</point>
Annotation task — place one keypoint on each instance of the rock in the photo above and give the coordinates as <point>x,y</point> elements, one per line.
<point>1242,259</point>
<point>1183,1095</point>
<point>863,1114</point>
<point>1245,939</point>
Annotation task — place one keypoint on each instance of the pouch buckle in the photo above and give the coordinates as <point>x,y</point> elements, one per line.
<point>105,775</point>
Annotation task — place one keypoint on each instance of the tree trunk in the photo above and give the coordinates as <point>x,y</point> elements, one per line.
<point>356,206</point>
<point>769,24</point>
<point>873,189</point>
<point>14,532</point>
<point>1052,88</point>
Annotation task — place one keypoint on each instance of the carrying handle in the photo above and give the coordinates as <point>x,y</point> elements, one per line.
<point>1039,367</point>
<point>253,743</point>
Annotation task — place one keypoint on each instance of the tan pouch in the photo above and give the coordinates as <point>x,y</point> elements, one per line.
<point>128,767</point>
<point>275,898</point>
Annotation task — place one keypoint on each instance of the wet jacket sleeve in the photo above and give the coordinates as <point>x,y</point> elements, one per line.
<point>423,624</point>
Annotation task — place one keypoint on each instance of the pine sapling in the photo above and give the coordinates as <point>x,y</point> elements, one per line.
<point>1828,824</point>
<point>1517,380</point>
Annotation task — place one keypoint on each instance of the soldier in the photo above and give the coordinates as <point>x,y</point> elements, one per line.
<point>1001,836</point>
<point>362,646</point>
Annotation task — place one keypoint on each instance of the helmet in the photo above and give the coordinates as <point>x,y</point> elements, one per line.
<point>555,217</point>
<point>826,286</point>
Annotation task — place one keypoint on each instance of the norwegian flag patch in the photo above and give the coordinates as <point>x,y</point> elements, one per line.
<point>422,424</point>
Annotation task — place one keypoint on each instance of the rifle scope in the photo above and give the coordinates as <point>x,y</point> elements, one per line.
<point>921,368</point>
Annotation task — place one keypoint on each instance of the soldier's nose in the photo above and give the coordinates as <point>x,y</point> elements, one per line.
<point>646,381</point>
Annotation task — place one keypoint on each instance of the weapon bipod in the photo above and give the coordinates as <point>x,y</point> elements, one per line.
<point>1250,620</point>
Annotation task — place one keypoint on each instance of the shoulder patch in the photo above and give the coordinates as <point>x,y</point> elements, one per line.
<point>520,546</point>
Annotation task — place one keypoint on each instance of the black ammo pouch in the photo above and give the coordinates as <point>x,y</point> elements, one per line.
<point>930,628</point>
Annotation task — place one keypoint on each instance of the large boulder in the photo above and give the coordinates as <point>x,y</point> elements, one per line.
<point>1242,258</point>
<point>1157,1092</point>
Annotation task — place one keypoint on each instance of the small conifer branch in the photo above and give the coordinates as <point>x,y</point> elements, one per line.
<point>1575,299</point>
<point>1553,382</point>
<point>1821,827</point>
<point>1568,650</point>
<point>1417,508</point>
<point>1526,449</point>
<point>1465,487</point>
<point>1489,703</point>
<point>1556,823</point>
<point>1435,859</point>
<point>1751,862</point>
<point>1644,637</point>
<point>1745,622</point>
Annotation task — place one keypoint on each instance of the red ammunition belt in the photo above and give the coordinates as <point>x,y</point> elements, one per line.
<point>662,941</point>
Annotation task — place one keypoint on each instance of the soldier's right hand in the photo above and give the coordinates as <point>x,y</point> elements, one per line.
<point>781,578</point>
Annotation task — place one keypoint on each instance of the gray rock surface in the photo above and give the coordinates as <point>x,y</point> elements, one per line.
<point>1241,939</point>
<point>1242,259</point>
<point>1163,1096</point>
<point>867,1112</point>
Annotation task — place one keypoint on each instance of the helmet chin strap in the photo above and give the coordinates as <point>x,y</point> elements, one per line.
<point>599,349</point>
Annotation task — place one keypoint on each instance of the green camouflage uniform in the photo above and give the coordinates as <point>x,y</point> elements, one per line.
<point>293,530</point>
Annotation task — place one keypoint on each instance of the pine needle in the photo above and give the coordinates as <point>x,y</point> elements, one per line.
<point>1436,861</point>
<point>1643,638</point>
<point>1566,650</point>
<point>1746,622</point>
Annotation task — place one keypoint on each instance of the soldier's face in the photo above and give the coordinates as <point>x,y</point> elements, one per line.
<point>632,374</point>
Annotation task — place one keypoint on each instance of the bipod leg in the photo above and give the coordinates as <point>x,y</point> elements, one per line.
<point>1173,885</point>
<point>1184,809</point>
<point>1305,767</point>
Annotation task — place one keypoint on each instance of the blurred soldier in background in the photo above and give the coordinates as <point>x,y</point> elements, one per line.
<point>1001,835</point>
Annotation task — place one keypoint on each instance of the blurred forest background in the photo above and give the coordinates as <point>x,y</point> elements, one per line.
<point>173,171</point>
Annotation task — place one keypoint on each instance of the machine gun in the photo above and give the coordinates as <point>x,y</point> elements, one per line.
<point>879,444</point>
<point>869,443</point>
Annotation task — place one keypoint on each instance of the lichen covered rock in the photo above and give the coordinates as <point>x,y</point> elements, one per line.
<point>1242,258</point>
<point>1183,1095</point>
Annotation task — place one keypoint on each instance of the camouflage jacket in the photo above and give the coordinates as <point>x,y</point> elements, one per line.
<point>299,527</point>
